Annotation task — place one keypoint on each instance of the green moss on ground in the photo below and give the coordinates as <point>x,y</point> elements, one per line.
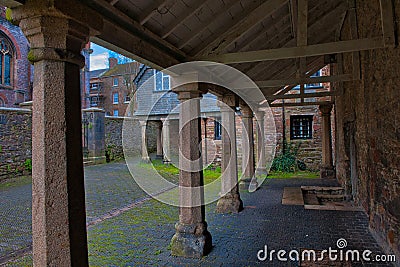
<point>290,175</point>
<point>15,182</point>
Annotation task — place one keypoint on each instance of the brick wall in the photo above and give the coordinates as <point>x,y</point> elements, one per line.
<point>21,66</point>
<point>15,141</point>
<point>368,129</point>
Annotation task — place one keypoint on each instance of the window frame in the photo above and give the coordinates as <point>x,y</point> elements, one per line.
<point>303,118</point>
<point>116,111</point>
<point>217,130</point>
<point>115,81</point>
<point>6,49</point>
<point>163,76</point>
<point>113,97</point>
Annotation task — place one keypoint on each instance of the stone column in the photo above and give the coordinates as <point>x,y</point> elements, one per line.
<point>95,135</point>
<point>159,154</point>
<point>166,142</point>
<point>248,164</point>
<point>327,169</point>
<point>192,238</point>
<point>261,161</point>
<point>145,155</point>
<point>58,195</point>
<point>229,201</point>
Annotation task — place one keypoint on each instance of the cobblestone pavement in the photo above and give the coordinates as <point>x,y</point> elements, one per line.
<point>141,236</point>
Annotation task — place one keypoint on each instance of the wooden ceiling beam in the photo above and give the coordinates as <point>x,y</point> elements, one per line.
<point>200,29</point>
<point>148,12</point>
<point>242,26</point>
<point>314,27</point>
<point>297,52</point>
<point>306,80</point>
<point>278,105</point>
<point>178,21</point>
<point>131,26</point>
<point>305,95</point>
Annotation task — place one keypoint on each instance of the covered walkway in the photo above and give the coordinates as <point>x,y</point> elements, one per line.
<point>141,235</point>
<point>277,43</point>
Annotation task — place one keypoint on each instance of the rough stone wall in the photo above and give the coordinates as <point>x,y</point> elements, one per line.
<point>368,129</point>
<point>310,150</point>
<point>15,141</point>
<point>113,135</point>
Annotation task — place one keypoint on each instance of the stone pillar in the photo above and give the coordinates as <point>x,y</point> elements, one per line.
<point>159,154</point>
<point>248,164</point>
<point>229,201</point>
<point>205,150</point>
<point>327,169</point>
<point>94,133</point>
<point>261,161</point>
<point>192,238</point>
<point>166,142</point>
<point>145,155</point>
<point>58,195</point>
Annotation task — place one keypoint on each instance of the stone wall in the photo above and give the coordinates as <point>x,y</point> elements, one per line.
<point>15,142</point>
<point>113,136</point>
<point>368,129</point>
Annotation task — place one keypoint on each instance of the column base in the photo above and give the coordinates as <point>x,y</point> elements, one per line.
<point>327,173</point>
<point>244,183</point>
<point>253,186</point>
<point>191,240</point>
<point>230,203</point>
<point>94,160</point>
<point>166,162</point>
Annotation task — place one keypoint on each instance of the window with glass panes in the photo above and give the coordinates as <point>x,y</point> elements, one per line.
<point>217,130</point>
<point>115,98</point>
<point>301,127</point>
<point>6,54</point>
<point>162,81</point>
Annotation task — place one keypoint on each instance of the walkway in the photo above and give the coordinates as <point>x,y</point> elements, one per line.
<point>141,235</point>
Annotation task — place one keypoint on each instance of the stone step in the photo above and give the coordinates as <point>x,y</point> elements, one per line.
<point>323,190</point>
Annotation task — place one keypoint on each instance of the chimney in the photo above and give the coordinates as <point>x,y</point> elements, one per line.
<point>112,62</point>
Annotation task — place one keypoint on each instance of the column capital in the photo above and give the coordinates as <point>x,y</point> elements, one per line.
<point>326,109</point>
<point>189,91</point>
<point>165,121</point>
<point>53,36</point>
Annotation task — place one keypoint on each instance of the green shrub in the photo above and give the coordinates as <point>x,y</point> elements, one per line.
<point>287,161</point>
<point>28,165</point>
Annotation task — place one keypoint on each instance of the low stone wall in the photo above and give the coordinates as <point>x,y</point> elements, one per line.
<point>15,142</point>
<point>113,136</point>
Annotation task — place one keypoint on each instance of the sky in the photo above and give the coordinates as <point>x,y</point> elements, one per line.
<point>99,57</point>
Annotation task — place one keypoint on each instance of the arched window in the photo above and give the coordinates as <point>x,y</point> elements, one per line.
<point>6,60</point>
<point>2,104</point>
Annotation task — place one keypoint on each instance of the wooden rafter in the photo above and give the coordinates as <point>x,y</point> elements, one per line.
<point>131,26</point>
<point>296,52</point>
<point>178,21</point>
<point>199,30</point>
<point>279,26</point>
<point>243,25</point>
<point>306,80</point>
<point>148,12</point>
<point>388,23</point>
<point>301,95</point>
<point>277,105</point>
<point>315,27</point>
